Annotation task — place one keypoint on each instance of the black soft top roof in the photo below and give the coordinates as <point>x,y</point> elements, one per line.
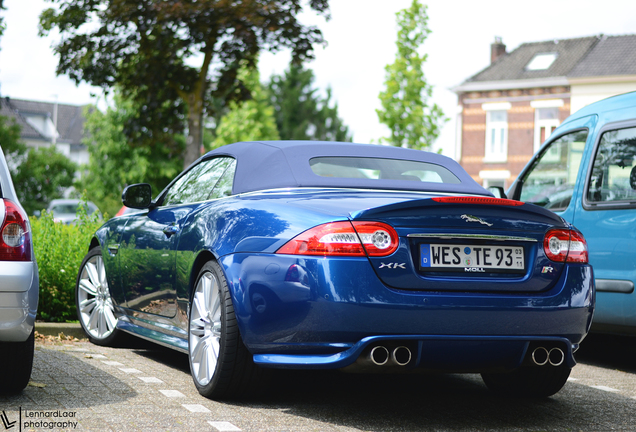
<point>263,165</point>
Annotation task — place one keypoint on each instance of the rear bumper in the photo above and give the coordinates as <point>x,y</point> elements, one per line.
<point>327,309</point>
<point>470,354</point>
<point>19,294</point>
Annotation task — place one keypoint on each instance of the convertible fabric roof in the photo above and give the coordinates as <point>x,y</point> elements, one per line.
<point>263,165</point>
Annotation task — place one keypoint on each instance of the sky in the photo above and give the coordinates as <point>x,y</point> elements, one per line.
<point>360,37</point>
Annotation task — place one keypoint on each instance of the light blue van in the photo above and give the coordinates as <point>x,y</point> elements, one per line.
<point>586,173</point>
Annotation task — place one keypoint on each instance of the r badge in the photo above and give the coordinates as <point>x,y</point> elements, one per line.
<point>547,269</point>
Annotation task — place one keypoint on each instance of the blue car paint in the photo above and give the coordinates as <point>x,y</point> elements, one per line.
<point>610,233</point>
<point>313,312</point>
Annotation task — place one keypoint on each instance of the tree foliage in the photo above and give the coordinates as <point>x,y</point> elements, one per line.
<point>174,57</point>
<point>301,113</point>
<point>405,101</point>
<point>43,175</point>
<point>12,146</point>
<point>114,163</point>
<point>39,174</point>
<point>250,120</point>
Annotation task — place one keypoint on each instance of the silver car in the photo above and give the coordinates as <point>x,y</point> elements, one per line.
<point>65,210</point>
<point>19,288</point>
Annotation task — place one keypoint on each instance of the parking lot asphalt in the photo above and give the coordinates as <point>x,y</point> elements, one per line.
<point>76,385</point>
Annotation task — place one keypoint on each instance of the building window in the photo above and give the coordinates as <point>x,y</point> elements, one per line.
<point>546,120</point>
<point>496,136</point>
<point>541,61</point>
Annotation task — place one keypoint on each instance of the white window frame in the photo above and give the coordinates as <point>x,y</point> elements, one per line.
<point>496,143</point>
<point>548,124</point>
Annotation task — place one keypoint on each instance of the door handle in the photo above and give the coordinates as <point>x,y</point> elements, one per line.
<point>170,230</point>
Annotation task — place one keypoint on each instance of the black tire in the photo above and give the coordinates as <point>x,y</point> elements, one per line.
<point>95,308</point>
<point>16,363</point>
<point>214,337</point>
<point>528,381</point>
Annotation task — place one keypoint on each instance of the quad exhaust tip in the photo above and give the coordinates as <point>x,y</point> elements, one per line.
<point>542,356</point>
<point>380,356</point>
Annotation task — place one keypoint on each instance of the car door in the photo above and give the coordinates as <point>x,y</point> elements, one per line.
<point>552,179</point>
<point>148,246</point>
<point>608,221</point>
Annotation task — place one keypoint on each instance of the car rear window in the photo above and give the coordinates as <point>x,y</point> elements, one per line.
<point>381,169</point>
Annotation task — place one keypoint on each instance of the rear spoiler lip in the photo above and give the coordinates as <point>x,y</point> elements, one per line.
<point>375,212</point>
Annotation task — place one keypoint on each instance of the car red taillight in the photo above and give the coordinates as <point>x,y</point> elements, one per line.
<point>344,239</point>
<point>564,245</point>
<point>15,243</point>
<point>478,200</point>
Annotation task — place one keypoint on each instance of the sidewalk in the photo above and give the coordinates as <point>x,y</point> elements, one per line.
<point>54,329</point>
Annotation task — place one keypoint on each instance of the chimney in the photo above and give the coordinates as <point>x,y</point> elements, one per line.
<point>497,49</point>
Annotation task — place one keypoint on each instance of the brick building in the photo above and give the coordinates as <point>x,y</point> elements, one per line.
<point>509,109</point>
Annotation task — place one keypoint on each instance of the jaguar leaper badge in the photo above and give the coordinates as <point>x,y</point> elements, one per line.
<point>471,218</point>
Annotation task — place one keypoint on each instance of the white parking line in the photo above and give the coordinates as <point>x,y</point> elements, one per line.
<point>97,356</point>
<point>224,426</point>
<point>196,408</point>
<point>130,370</point>
<point>112,363</point>
<point>152,380</point>
<point>605,388</point>
<point>172,393</point>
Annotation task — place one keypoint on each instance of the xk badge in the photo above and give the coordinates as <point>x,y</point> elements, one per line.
<point>393,265</point>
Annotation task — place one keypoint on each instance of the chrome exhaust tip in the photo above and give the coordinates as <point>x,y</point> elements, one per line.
<point>379,355</point>
<point>401,356</point>
<point>540,356</point>
<point>556,357</point>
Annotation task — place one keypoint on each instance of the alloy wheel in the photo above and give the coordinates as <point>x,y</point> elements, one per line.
<point>205,328</point>
<point>94,303</point>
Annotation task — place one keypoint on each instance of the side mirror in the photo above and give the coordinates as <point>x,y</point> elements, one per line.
<point>137,196</point>
<point>497,191</point>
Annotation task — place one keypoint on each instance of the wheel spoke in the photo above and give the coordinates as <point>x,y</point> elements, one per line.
<point>88,287</point>
<point>87,305</point>
<point>93,276</point>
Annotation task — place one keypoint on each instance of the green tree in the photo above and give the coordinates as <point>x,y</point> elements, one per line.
<point>301,113</point>
<point>12,146</point>
<point>114,163</point>
<point>405,102</point>
<point>41,177</point>
<point>173,57</point>
<point>251,120</point>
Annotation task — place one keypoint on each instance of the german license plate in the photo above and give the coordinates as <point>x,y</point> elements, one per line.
<point>471,258</point>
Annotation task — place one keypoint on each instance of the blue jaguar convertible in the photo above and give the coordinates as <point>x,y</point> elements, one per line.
<point>363,258</point>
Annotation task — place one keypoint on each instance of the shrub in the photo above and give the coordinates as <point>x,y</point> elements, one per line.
<point>59,250</point>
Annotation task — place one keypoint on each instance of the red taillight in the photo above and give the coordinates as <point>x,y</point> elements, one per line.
<point>15,238</point>
<point>344,239</point>
<point>478,200</point>
<point>564,245</point>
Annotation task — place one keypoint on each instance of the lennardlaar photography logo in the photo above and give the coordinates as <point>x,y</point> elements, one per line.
<point>39,420</point>
<point>6,422</point>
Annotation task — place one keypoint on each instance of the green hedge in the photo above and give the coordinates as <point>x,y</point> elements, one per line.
<point>59,251</point>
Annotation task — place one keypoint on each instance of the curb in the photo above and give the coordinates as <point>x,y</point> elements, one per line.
<point>54,329</point>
